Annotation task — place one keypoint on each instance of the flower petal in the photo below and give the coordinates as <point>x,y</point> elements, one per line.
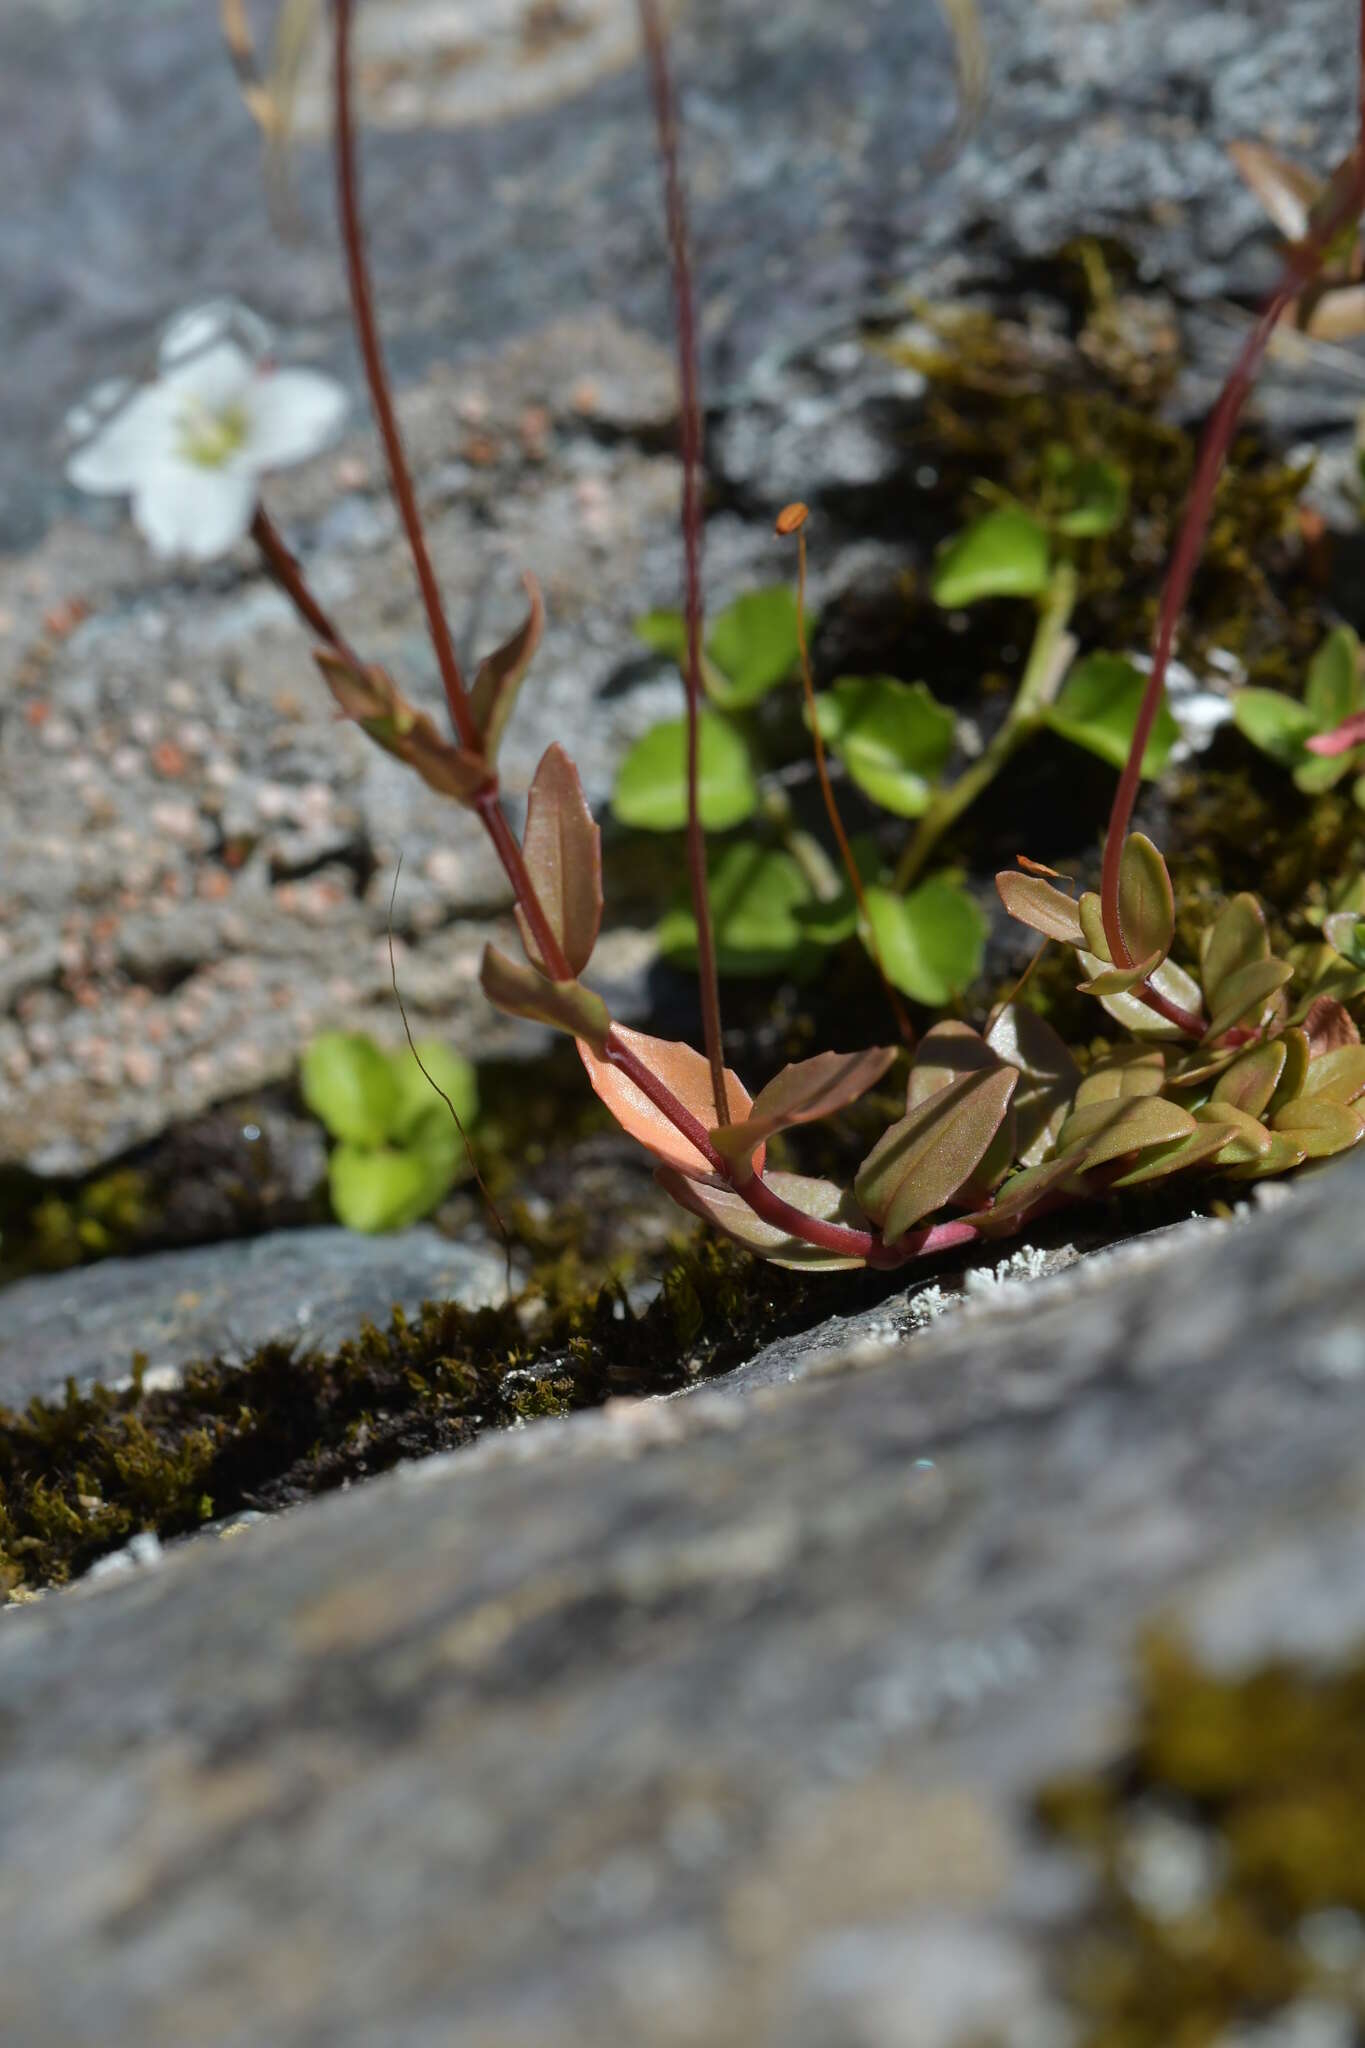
<point>184,509</point>
<point>293,413</point>
<point>200,327</point>
<point>216,378</point>
<point>140,434</point>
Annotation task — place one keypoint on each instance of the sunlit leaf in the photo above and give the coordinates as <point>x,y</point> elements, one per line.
<point>1108,1130</point>
<point>1339,1074</point>
<point>687,1075</point>
<point>562,848</point>
<point>500,674</point>
<point>418,1101</point>
<point>754,645</point>
<point>386,1189</point>
<point>1169,980</point>
<point>931,942</point>
<point>1098,707</point>
<point>1333,691</point>
<point>1037,904</point>
<point>757,896</point>
<point>370,696</point>
<point>1146,899</point>
<point>1048,1077</point>
<point>1091,913</point>
<point>352,1087</point>
<point>923,1161</point>
<point>651,785</point>
<point>1023,1193</point>
<point>729,1213</point>
<point>802,1094</point>
<point>1235,939</point>
<point>1247,1139</point>
<point>1116,981</point>
<point>1250,1082</point>
<point>1178,1155</point>
<point>1320,1125</point>
<point>1128,1071</point>
<point>1328,1025</point>
<point>1277,724</point>
<point>1004,554</point>
<point>894,738</point>
<point>946,1052</point>
<point>1344,930</point>
<point>1244,994</point>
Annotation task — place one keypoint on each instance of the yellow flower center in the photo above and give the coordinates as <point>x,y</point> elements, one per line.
<point>208,438</point>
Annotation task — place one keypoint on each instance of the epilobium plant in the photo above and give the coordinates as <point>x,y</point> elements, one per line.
<point>1222,1070</point>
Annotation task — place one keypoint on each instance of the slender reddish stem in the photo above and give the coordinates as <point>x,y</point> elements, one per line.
<point>836,823</point>
<point>680,263</point>
<point>284,567</point>
<point>367,333</point>
<point>1304,261</point>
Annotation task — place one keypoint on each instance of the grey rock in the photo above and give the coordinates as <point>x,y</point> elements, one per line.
<point>696,1722</point>
<point>312,1287</point>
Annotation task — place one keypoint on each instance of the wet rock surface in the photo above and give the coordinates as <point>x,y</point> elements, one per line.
<point>705,1721</point>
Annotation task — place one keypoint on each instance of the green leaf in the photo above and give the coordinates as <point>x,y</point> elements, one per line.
<point>893,738</point>
<point>756,897</point>
<point>1235,939</point>
<point>754,645</point>
<point>922,1161</point>
<point>1245,994</point>
<point>1098,491</point>
<point>665,632</point>
<point>931,942</point>
<point>1127,1123</point>
<point>1005,554</point>
<point>1333,689</point>
<point>1169,980</point>
<point>1146,899</point>
<point>1129,1071</point>
<point>1250,1082</point>
<point>651,785</point>
<point>417,1099</point>
<point>385,1189</point>
<point>1177,1155</point>
<point>1344,931</point>
<point>351,1087</point>
<point>1339,1074</point>
<point>1320,1126</point>
<point>1316,773</point>
<point>1098,706</point>
<point>1277,724</point>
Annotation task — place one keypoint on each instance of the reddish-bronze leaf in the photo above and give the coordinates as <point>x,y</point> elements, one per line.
<point>946,1052</point>
<point>373,700</point>
<point>923,1161</point>
<point>801,1094</point>
<point>1128,1070</point>
<point>686,1075</point>
<point>562,848</point>
<point>1243,995</point>
<point>729,1213</point>
<point>525,992</point>
<point>1108,1130</point>
<point>1327,1025</point>
<point>1250,1082</point>
<point>1246,1137</point>
<point>499,675</point>
<point>1036,903</point>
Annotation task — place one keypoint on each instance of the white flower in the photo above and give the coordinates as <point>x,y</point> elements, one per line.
<point>191,448</point>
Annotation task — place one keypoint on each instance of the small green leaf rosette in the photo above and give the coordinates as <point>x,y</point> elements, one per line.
<point>398,1152</point>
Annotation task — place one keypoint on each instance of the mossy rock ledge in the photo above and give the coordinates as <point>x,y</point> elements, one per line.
<point>710,1721</point>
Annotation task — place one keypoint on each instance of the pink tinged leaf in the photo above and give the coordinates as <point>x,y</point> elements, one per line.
<point>1146,899</point>
<point>1245,1138</point>
<point>1328,1025</point>
<point>562,848</point>
<point>687,1075</point>
<point>1319,1125</point>
<point>945,1054</point>
<point>1048,1077</point>
<point>1109,1130</point>
<point>499,676</point>
<point>1235,939</point>
<point>1243,996</point>
<point>730,1214</point>
<point>1117,981</point>
<point>1338,1075</point>
<point>1286,191</point>
<point>525,992</point>
<point>1179,1156</point>
<point>1037,904</point>
<point>1130,1070</point>
<point>1250,1082</point>
<point>923,1161</point>
<point>1025,1193</point>
<point>1350,733</point>
<point>801,1094</point>
<point>373,700</point>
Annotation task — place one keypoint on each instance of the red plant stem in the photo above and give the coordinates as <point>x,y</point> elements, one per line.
<point>836,823</point>
<point>285,569</point>
<point>675,208</point>
<point>813,1230</point>
<point>1305,260</point>
<point>367,333</point>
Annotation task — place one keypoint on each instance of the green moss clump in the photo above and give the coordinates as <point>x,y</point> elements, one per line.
<point>80,1476</point>
<point>1270,1769</point>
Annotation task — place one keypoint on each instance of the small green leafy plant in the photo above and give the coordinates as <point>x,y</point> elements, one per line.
<point>1319,738</point>
<point>397,1125</point>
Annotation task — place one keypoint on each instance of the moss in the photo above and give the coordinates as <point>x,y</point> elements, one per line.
<point>80,1476</point>
<point>1270,1769</point>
